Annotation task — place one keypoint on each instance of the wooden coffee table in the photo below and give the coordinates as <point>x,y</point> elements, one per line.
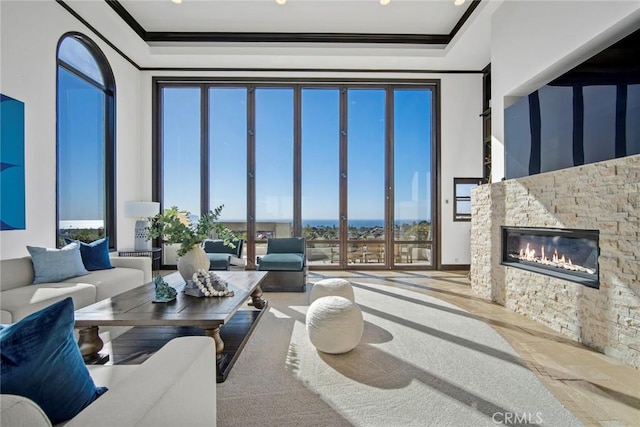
<point>137,308</point>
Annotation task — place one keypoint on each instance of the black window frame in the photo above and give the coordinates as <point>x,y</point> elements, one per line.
<point>462,217</point>
<point>161,82</point>
<point>109,90</point>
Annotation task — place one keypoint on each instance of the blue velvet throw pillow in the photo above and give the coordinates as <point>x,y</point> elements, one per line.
<point>95,255</point>
<point>40,360</point>
<point>55,265</point>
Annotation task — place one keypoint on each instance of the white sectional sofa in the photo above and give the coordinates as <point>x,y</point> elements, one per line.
<point>19,297</point>
<point>174,387</point>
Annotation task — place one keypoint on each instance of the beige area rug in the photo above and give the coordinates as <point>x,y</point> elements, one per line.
<point>421,362</point>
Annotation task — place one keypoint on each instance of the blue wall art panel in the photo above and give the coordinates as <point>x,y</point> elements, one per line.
<point>12,190</point>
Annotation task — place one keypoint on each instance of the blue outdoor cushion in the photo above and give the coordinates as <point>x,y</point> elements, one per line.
<point>217,246</point>
<point>281,262</point>
<point>40,360</point>
<point>95,255</point>
<point>286,245</point>
<point>219,261</point>
<point>55,265</point>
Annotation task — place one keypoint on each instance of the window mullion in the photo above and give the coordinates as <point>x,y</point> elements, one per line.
<point>70,68</point>
<point>204,150</point>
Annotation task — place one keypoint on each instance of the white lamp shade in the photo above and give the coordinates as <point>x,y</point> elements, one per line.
<point>141,209</point>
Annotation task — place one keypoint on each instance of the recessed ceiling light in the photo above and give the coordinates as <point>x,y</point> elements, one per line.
<point>177,1</point>
<point>281,2</point>
<point>458,2</point>
<point>385,2</point>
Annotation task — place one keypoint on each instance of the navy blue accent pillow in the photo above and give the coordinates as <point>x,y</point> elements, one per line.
<point>40,360</point>
<point>95,255</point>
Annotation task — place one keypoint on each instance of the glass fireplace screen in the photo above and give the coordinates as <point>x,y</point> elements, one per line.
<point>565,253</point>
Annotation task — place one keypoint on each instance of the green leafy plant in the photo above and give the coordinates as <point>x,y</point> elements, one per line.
<point>175,226</point>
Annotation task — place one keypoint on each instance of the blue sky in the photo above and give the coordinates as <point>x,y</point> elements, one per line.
<point>320,152</point>
<point>274,152</point>
<point>81,153</point>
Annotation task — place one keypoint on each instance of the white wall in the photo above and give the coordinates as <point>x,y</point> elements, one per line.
<point>461,139</point>
<point>533,42</point>
<point>461,157</point>
<point>30,31</point>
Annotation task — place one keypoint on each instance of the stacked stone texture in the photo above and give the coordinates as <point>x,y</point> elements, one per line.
<point>602,196</point>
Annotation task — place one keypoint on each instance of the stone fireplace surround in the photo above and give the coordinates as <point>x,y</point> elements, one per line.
<point>601,196</point>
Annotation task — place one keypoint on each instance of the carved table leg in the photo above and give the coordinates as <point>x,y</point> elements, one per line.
<point>90,344</point>
<point>215,334</point>
<point>256,299</point>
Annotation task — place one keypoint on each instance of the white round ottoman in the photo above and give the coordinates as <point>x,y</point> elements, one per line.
<point>331,287</point>
<point>334,324</point>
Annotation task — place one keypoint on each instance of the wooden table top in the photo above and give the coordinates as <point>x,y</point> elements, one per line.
<point>136,307</point>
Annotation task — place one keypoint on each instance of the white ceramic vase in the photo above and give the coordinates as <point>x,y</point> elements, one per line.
<point>193,261</point>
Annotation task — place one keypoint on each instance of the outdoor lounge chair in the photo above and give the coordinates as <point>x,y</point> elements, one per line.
<point>221,256</point>
<point>286,262</point>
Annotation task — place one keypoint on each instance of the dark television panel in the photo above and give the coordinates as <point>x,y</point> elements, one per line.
<point>589,114</point>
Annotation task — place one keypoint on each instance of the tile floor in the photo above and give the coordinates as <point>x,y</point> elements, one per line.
<point>597,389</point>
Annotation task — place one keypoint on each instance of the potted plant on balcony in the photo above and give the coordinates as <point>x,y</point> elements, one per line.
<point>175,226</point>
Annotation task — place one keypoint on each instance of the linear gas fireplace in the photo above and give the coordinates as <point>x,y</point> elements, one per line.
<point>564,253</point>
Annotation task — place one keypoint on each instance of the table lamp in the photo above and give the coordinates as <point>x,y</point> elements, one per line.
<point>142,211</point>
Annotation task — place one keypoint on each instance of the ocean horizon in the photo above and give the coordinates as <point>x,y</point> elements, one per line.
<point>73,224</point>
<point>358,223</point>
<point>329,222</point>
<point>334,223</point>
<point>353,223</point>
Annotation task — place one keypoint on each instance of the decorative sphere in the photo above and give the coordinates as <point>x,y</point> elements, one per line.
<point>331,287</point>
<point>334,324</point>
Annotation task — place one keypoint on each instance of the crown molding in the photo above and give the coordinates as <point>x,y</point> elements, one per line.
<point>262,37</point>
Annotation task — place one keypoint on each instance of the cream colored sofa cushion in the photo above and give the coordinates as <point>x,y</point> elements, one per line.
<point>5,316</point>
<point>110,375</point>
<point>18,411</point>
<point>21,302</point>
<point>139,263</point>
<point>110,282</point>
<point>174,387</point>
<point>19,297</point>
<point>15,272</point>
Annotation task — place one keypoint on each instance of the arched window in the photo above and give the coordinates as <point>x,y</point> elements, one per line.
<point>86,207</point>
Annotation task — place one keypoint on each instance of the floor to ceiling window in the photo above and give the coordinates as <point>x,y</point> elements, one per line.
<point>320,179</point>
<point>349,167</point>
<point>228,156</point>
<point>273,165</point>
<point>85,142</point>
<point>366,112</point>
<point>181,127</point>
<point>412,195</point>
<point>181,123</point>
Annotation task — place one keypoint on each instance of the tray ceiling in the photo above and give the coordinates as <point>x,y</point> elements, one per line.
<point>335,21</point>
